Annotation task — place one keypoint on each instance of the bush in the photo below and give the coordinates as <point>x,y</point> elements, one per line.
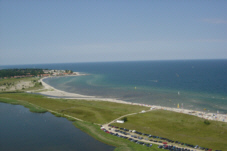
<point>71,119</point>
<point>206,122</point>
<point>125,119</point>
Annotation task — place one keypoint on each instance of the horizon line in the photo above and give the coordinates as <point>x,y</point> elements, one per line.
<point>112,61</point>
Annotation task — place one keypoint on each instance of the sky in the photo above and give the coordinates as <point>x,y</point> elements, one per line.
<point>56,31</point>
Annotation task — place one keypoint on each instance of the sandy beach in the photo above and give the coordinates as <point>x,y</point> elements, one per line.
<point>55,93</point>
<point>52,92</point>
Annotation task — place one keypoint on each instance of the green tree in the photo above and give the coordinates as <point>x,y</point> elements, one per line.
<point>125,119</point>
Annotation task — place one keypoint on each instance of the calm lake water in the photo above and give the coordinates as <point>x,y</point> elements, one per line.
<point>22,130</point>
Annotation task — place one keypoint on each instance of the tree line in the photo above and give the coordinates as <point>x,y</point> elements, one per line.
<point>20,72</point>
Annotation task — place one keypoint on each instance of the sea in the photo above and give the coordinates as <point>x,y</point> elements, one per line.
<point>193,84</point>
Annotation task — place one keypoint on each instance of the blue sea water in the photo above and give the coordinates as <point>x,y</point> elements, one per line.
<point>198,84</point>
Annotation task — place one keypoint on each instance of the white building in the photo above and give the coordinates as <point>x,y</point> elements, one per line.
<point>120,121</point>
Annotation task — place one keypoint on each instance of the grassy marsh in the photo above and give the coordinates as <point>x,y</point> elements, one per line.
<point>92,111</point>
<point>31,107</point>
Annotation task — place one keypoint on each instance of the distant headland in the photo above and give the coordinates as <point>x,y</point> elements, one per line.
<point>21,73</point>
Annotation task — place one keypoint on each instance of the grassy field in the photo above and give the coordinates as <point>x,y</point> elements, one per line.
<point>179,127</point>
<point>91,111</point>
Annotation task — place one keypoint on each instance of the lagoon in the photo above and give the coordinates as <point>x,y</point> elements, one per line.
<point>23,130</point>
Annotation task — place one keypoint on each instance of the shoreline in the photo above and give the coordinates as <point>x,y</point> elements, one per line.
<point>55,93</point>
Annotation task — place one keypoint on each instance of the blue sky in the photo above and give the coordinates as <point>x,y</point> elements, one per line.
<point>56,31</point>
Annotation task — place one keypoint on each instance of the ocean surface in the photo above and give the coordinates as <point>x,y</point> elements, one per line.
<point>22,130</point>
<point>194,84</point>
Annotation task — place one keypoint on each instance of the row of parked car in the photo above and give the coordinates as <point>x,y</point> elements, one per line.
<point>164,146</point>
<point>173,148</point>
<point>130,139</point>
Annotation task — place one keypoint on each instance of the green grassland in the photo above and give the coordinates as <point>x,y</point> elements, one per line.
<point>92,111</point>
<point>179,127</point>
